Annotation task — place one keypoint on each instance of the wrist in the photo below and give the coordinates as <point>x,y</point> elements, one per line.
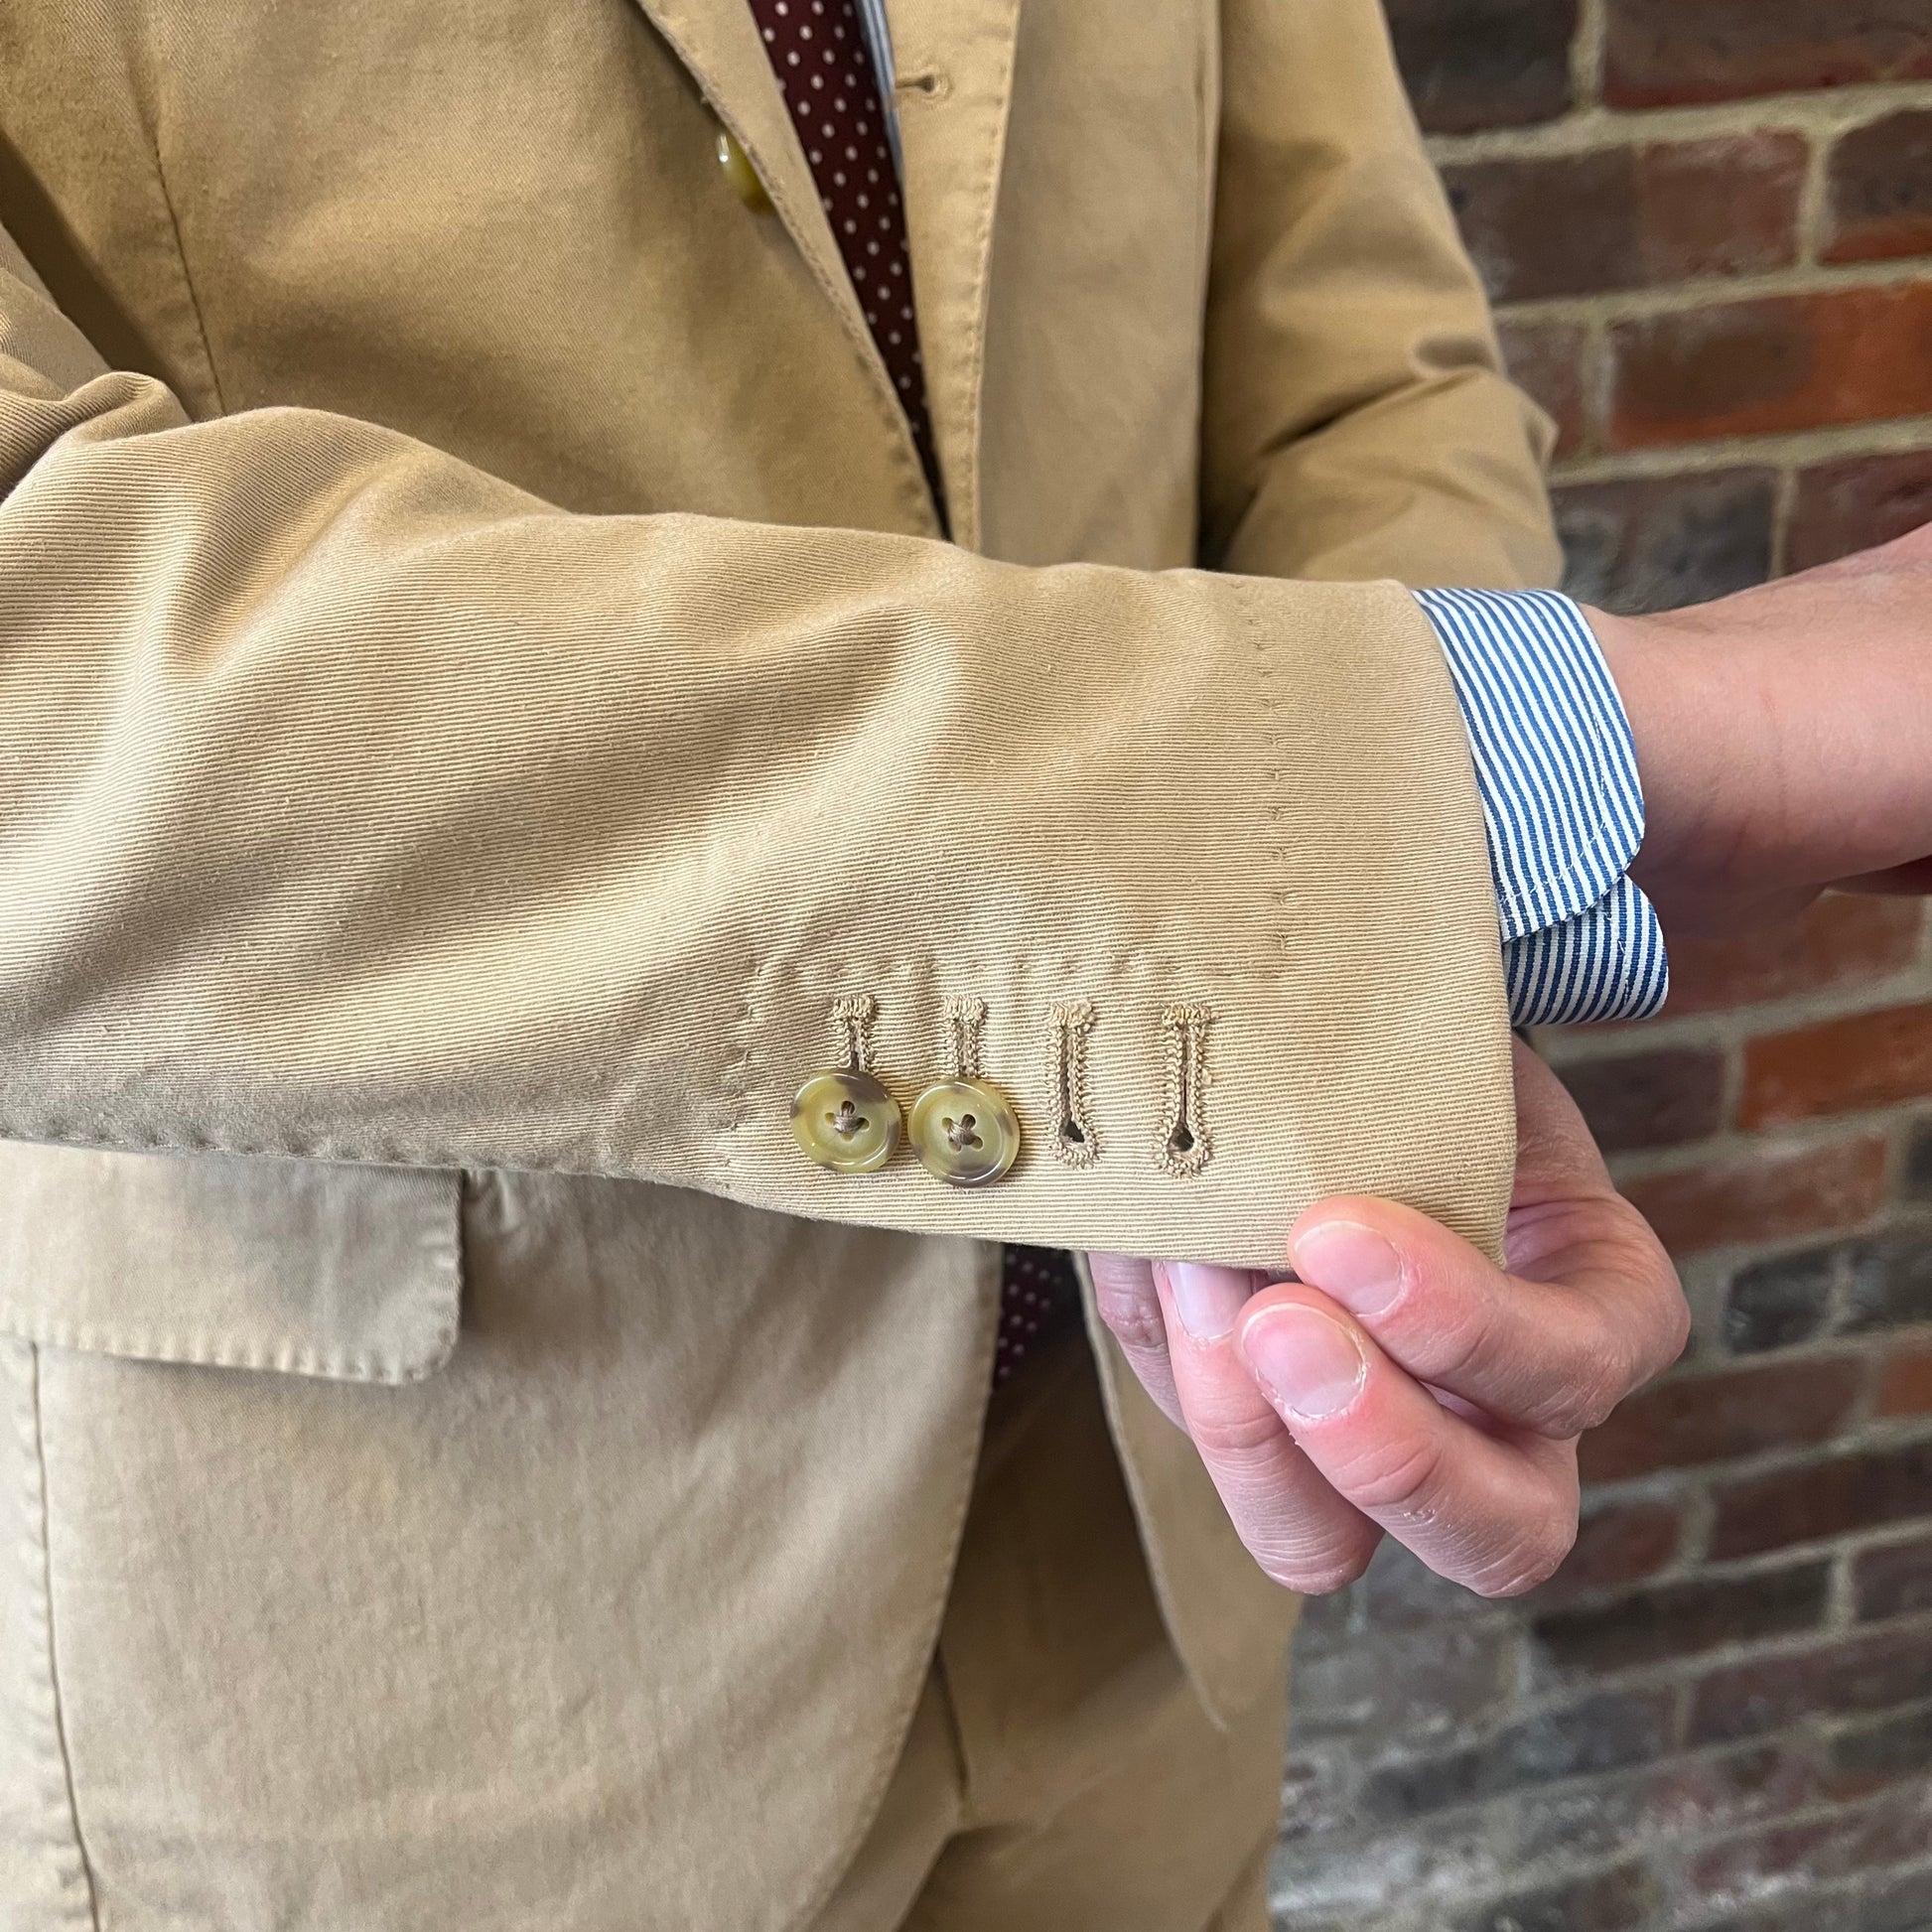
<point>1681,737</point>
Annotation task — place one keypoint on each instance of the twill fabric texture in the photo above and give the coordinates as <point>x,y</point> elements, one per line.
<point>482,681</point>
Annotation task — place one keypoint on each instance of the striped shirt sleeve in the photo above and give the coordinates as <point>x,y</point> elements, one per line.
<point>1557,775</point>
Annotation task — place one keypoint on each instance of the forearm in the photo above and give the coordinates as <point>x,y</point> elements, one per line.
<point>1784,735</point>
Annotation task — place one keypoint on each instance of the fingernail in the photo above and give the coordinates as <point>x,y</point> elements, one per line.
<point>1353,1263</point>
<point>1208,1299</point>
<point>1311,1365</point>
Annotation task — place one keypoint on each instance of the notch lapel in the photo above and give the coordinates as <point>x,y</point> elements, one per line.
<point>953,60</point>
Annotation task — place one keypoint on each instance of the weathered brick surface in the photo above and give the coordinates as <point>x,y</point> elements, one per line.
<point>1861,1839</point>
<point>1849,505</point>
<point>1665,52</point>
<point>1840,944</point>
<point>1659,1099</point>
<point>1546,358</point>
<point>1839,1067</point>
<point>1905,1382</point>
<point>1781,362</point>
<point>1821,1499</point>
<point>1841,1185</point>
<point>1606,1901</point>
<point>1682,1619</point>
<point>1717,1716</point>
<point>1879,202</point>
<point>1690,1420</point>
<point>1599,1733</point>
<point>1623,217</point>
<point>1837,1678</point>
<point>1651,543</point>
<point>1473,63</point>
<point>1894,1579</point>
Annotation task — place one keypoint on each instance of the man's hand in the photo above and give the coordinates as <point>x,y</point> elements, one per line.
<point>1405,1386</point>
<point>1784,738</point>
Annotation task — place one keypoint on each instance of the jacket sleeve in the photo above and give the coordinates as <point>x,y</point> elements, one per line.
<point>1356,422</point>
<point>355,806</point>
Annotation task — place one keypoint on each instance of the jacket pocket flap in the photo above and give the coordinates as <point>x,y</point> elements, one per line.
<point>298,1266</point>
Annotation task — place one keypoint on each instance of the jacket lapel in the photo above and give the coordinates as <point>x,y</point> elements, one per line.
<point>953,60</point>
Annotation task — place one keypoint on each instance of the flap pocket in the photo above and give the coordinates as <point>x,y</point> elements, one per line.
<point>296,1265</point>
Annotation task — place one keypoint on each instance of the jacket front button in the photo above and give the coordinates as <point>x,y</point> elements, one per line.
<point>845,1122</point>
<point>743,176</point>
<point>965,1131</point>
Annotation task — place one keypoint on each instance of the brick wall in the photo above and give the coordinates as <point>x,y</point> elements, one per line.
<point>1708,225</point>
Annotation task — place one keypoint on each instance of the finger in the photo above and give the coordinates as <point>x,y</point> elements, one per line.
<point>1593,1310</point>
<point>1495,1513</point>
<point>1125,1299</point>
<point>1292,1522</point>
<point>1554,1358</point>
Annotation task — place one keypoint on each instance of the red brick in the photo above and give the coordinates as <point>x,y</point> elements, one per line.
<point>1905,1382</point>
<point>1841,942</point>
<point>1764,1199</point>
<point>1862,1674</point>
<point>1476,64</point>
<point>1652,543</point>
<point>1546,358</point>
<point>1659,1099</point>
<point>1818,1499</point>
<point>1855,504</point>
<point>1665,51</point>
<point>1622,1544</point>
<point>1881,196</point>
<point>1693,1420</point>
<point>1784,362</point>
<point>1631,218</point>
<point>1839,1067</point>
<point>1681,1619</point>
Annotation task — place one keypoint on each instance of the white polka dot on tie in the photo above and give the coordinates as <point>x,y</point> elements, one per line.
<point>851,227</point>
<point>791,60</point>
<point>804,32</point>
<point>770,35</point>
<point>818,80</point>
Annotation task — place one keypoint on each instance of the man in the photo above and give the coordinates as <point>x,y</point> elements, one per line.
<point>486,692</point>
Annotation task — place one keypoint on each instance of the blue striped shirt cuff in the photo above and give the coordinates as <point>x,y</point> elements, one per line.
<point>1557,776</point>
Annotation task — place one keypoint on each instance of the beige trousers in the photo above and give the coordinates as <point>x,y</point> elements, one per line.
<point>1059,1774</point>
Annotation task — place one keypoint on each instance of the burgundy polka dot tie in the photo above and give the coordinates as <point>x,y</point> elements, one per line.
<point>818,51</point>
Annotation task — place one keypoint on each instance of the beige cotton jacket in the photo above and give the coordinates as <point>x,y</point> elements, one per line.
<point>481,678</point>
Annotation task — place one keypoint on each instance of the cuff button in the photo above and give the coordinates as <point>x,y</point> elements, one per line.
<point>964,1132</point>
<point>846,1121</point>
